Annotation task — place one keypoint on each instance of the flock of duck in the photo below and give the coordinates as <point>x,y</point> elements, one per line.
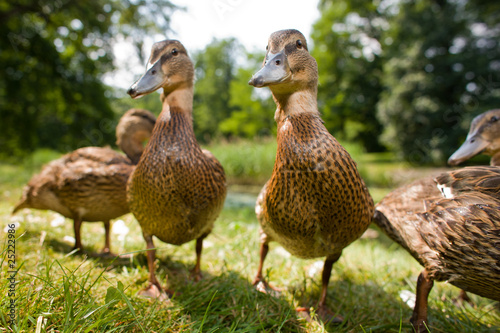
<point>315,203</point>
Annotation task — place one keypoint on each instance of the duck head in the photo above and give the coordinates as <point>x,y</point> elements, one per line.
<point>288,66</point>
<point>169,67</point>
<point>483,137</point>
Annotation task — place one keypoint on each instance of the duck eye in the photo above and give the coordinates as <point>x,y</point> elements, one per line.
<point>174,51</point>
<point>493,119</point>
<point>299,43</point>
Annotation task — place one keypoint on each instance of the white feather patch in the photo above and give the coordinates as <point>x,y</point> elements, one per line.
<point>445,191</point>
<point>286,125</point>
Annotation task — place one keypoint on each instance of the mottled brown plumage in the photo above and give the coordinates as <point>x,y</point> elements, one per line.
<point>177,190</point>
<point>483,137</point>
<point>454,234</point>
<point>89,184</point>
<point>315,203</point>
<point>136,125</point>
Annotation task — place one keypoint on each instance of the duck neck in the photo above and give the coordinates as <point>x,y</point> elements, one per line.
<point>495,159</point>
<point>178,100</point>
<point>296,103</point>
<point>131,144</point>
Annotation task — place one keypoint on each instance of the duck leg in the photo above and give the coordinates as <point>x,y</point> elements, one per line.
<point>463,297</point>
<point>77,225</point>
<point>196,272</point>
<point>259,282</point>
<point>264,249</point>
<point>324,313</point>
<point>154,290</point>
<point>107,241</point>
<point>419,317</point>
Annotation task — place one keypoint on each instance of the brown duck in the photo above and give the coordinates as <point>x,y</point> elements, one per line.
<point>177,190</point>
<point>315,203</point>
<point>454,235</point>
<point>89,184</point>
<point>483,137</point>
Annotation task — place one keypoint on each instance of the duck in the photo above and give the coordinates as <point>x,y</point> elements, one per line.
<point>177,190</point>
<point>133,131</point>
<point>315,202</point>
<point>483,137</point>
<point>450,226</point>
<point>89,184</point>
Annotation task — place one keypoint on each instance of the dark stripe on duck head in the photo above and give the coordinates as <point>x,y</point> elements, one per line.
<point>290,36</point>
<point>161,48</point>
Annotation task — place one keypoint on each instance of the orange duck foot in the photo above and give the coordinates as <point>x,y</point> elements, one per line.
<point>266,288</point>
<point>323,313</point>
<point>155,292</point>
<point>106,253</point>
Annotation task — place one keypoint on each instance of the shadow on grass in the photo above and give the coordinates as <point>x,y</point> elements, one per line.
<point>364,307</point>
<point>229,301</point>
<point>58,246</point>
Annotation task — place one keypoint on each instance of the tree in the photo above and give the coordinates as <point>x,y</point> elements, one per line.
<point>347,49</point>
<point>439,71</point>
<point>215,68</point>
<point>252,109</point>
<point>54,54</point>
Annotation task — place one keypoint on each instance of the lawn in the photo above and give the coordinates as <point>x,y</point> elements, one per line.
<point>60,291</point>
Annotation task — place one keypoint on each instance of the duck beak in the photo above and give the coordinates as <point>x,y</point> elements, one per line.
<point>22,204</point>
<point>151,81</point>
<point>275,70</point>
<point>471,147</point>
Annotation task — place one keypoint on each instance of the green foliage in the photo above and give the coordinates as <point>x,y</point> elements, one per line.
<point>224,104</point>
<point>54,54</point>
<point>246,162</point>
<point>347,50</point>
<point>439,61</point>
<point>407,74</point>
<point>253,109</point>
<point>215,68</point>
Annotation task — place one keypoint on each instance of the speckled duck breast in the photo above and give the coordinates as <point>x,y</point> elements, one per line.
<point>315,203</point>
<point>176,191</point>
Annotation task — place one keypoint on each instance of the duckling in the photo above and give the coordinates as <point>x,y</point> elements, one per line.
<point>315,203</point>
<point>177,190</point>
<point>483,137</point>
<point>89,184</point>
<point>454,235</point>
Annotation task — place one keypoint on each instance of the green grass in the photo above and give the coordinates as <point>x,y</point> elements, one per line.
<point>59,291</point>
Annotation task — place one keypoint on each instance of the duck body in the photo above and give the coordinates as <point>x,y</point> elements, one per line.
<point>311,204</point>
<point>176,191</point>
<point>315,203</point>
<point>89,184</point>
<point>453,232</point>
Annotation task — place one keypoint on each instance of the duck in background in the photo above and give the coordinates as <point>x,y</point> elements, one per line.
<point>483,137</point>
<point>89,184</point>
<point>315,203</point>
<point>177,189</point>
<point>451,224</point>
